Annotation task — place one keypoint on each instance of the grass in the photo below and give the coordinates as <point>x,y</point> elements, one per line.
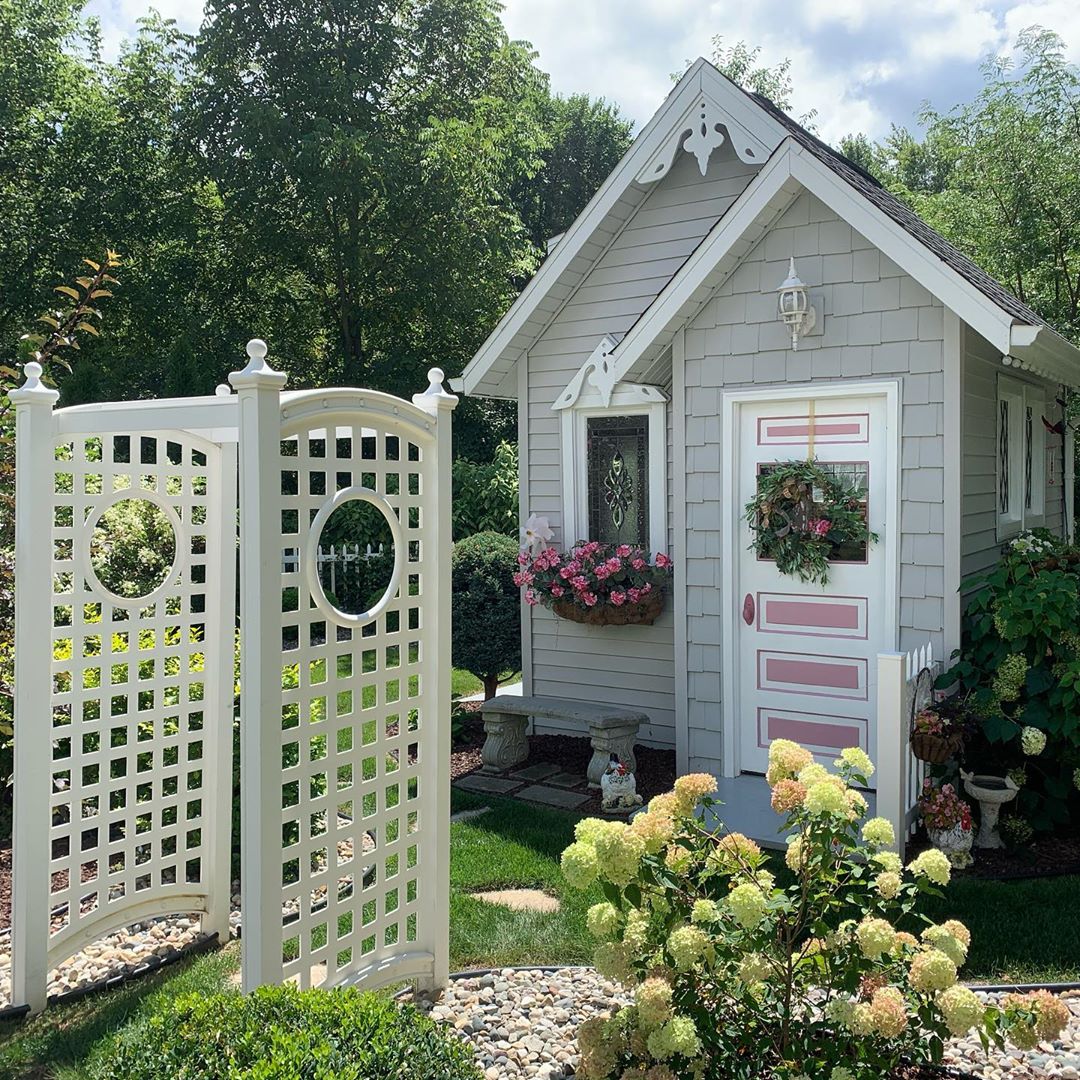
<point>1024,931</point>
<point>463,683</point>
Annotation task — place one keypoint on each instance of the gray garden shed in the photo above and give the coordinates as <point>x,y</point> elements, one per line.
<point>653,327</point>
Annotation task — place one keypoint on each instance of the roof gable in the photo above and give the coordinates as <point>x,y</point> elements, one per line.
<point>702,99</point>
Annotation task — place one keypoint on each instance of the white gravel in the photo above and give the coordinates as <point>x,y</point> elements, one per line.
<point>522,1024</point>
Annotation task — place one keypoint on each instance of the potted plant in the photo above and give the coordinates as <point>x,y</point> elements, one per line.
<point>948,822</point>
<point>597,584</point>
<point>936,735</point>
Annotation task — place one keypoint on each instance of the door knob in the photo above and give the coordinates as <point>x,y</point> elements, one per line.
<point>748,609</point>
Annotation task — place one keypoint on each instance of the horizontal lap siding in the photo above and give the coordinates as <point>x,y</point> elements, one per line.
<point>878,323</point>
<point>627,665</point>
<point>980,547</point>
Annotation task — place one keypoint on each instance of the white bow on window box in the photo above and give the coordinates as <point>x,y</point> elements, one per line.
<point>536,533</point>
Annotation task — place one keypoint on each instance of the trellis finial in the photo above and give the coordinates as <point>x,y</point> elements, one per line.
<point>435,396</point>
<point>257,371</point>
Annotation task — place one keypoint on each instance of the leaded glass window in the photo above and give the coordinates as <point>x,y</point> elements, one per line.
<point>617,465</point>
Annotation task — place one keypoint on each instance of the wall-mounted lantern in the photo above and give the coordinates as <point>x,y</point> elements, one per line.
<point>794,307</point>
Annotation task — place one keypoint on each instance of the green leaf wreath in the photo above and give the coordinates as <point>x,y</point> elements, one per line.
<point>803,516</point>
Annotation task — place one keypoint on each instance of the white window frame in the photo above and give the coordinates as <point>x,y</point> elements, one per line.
<point>1018,516</point>
<point>624,399</point>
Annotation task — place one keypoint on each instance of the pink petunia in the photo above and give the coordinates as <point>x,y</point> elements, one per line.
<point>557,590</point>
<point>602,572</point>
<point>618,598</point>
<point>634,594</point>
<point>639,563</point>
<point>580,582</point>
<point>531,598</point>
<point>662,560</point>
<point>614,564</point>
<point>589,599</point>
<point>623,551</point>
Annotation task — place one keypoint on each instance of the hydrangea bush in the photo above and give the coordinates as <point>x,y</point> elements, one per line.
<point>737,975</point>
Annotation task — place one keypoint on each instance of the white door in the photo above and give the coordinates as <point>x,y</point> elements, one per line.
<point>805,653</point>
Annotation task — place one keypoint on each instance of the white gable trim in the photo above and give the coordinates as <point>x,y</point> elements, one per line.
<point>751,129</point>
<point>788,172</point>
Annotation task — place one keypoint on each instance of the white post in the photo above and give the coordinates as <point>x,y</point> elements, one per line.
<point>258,387</point>
<point>892,743</point>
<point>437,502</point>
<point>221,630</point>
<point>34,460</point>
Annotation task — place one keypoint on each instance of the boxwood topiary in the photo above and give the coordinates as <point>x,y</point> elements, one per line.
<point>486,607</point>
<point>280,1033</point>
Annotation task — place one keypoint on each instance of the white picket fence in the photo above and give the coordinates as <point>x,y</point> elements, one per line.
<point>899,773</point>
<point>344,556</point>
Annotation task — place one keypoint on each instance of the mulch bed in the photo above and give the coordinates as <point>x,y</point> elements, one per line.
<point>1047,856</point>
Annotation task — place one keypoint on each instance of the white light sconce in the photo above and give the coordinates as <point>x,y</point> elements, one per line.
<point>794,307</point>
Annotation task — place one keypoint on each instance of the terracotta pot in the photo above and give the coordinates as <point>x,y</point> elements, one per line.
<point>645,612</point>
<point>934,749</point>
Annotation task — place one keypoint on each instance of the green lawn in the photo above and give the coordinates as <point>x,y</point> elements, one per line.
<point>463,683</point>
<point>1023,931</point>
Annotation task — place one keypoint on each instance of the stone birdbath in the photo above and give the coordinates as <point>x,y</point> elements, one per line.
<point>991,793</point>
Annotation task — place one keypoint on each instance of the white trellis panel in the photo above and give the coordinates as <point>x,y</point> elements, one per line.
<point>345,718</point>
<point>124,731</point>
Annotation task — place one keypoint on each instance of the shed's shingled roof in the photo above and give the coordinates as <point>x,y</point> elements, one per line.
<point>909,221</point>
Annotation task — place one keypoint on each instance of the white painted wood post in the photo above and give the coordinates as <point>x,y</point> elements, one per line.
<point>220,692</point>
<point>436,777</point>
<point>34,459</point>
<point>892,743</point>
<point>258,387</point>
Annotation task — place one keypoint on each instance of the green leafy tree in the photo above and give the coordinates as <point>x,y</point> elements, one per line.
<point>370,149</point>
<point>486,608</point>
<point>486,496</point>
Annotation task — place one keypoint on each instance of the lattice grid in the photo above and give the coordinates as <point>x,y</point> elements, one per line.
<point>354,717</point>
<point>131,729</point>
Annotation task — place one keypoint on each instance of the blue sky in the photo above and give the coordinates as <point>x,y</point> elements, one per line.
<point>862,64</point>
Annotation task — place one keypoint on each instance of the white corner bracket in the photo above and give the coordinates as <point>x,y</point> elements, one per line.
<point>701,131</point>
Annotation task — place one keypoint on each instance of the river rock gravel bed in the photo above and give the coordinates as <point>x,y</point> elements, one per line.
<point>521,1023</point>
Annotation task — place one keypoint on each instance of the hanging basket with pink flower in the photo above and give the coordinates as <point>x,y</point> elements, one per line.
<point>806,515</point>
<point>597,584</point>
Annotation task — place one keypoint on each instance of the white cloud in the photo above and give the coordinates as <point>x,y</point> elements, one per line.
<point>862,64</point>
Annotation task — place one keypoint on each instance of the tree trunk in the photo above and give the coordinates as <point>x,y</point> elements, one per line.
<point>491,686</point>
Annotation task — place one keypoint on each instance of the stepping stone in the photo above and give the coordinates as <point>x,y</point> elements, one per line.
<point>489,785</point>
<point>549,796</point>
<point>520,900</point>
<point>566,780</point>
<point>536,773</point>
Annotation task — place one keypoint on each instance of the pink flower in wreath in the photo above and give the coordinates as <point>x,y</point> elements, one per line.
<point>662,560</point>
<point>618,598</point>
<point>531,598</point>
<point>638,563</point>
<point>819,526</point>
<point>557,590</point>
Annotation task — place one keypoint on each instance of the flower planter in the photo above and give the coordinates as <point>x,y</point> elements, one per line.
<point>955,843</point>
<point>934,749</point>
<point>643,613</point>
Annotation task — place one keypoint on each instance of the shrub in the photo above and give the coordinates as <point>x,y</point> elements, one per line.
<point>1019,670</point>
<point>486,608</point>
<point>280,1033</point>
<point>735,975</point>
<point>486,494</point>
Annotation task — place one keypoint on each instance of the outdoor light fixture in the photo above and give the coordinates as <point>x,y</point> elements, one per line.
<point>794,307</point>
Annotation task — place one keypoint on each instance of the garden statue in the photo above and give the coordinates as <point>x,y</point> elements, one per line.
<point>618,788</point>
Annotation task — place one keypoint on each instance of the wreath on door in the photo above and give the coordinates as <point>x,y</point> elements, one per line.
<point>803,516</point>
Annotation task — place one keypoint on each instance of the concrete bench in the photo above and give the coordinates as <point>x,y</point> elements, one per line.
<point>612,730</point>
